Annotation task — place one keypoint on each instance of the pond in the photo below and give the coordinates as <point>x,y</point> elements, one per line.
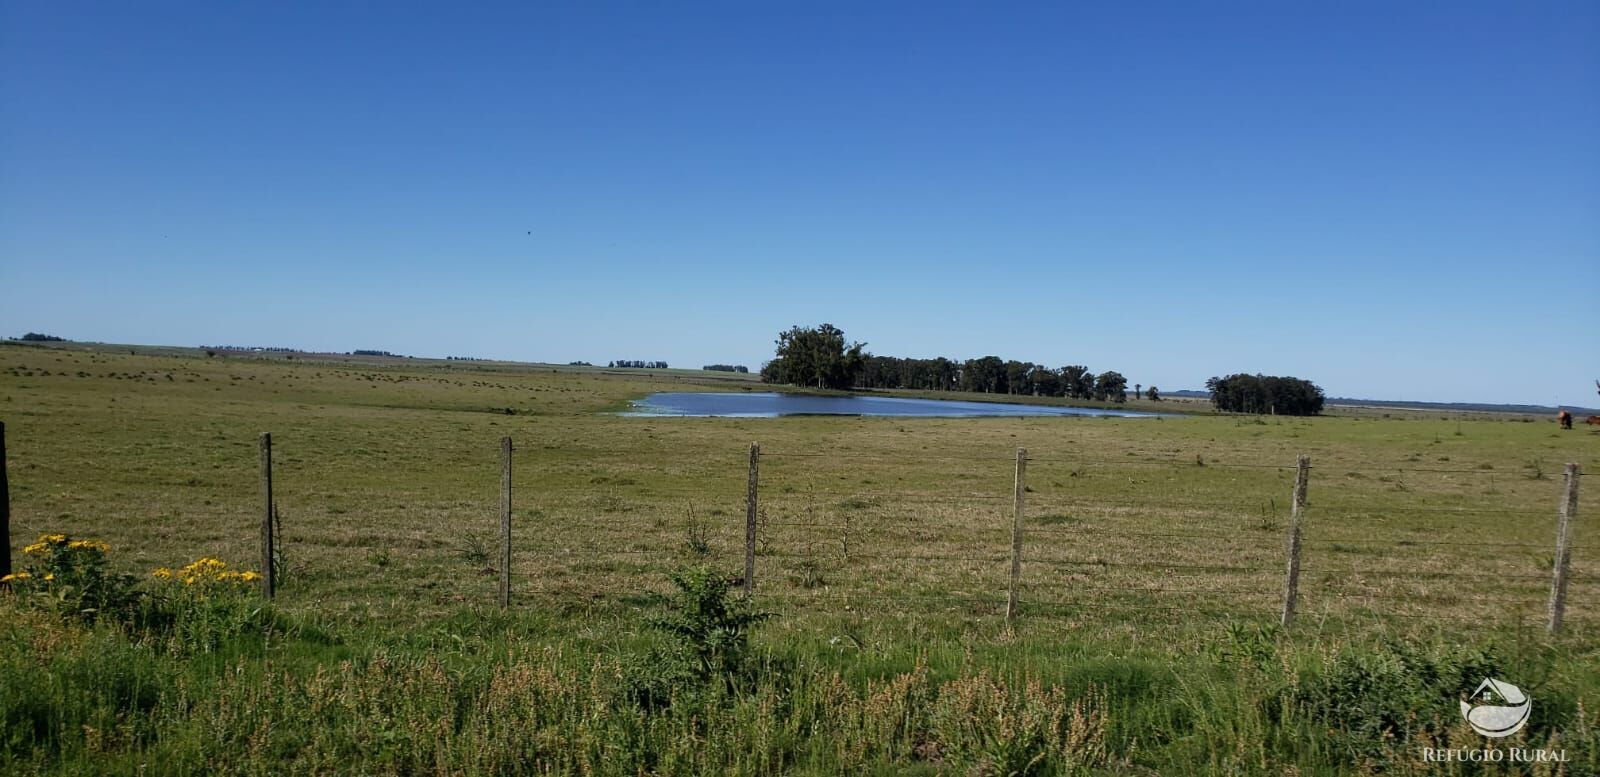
<point>766,404</point>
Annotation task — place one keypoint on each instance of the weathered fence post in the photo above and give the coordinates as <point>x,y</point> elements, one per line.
<point>1019,487</point>
<point>5,507</point>
<point>752,487</point>
<point>269,582</point>
<point>505,521</point>
<point>1291,582</point>
<point>1558,576</point>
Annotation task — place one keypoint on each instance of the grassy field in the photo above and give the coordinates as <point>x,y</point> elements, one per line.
<point>1152,574</point>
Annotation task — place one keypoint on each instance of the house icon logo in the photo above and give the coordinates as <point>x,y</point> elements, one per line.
<point>1496,709</point>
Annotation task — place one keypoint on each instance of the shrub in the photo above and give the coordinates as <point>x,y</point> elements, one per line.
<point>994,727</point>
<point>69,576</point>
<point>205,605</point>
<point>710,640</point>
<point>1376,703</point>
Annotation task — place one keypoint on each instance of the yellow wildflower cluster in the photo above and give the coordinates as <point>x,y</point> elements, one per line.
<point>15,576</point>
<point>46,543</point>
<point>51,542</point>
<point>205,571</point>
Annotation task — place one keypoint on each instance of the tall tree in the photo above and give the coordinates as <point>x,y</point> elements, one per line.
<point>817,357</point>
<point>986,375</point>
<point>1077,382</point>
<point>1111,385</point>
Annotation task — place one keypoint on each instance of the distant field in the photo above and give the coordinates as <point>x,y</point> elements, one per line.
<point>386,469</point>
<point>889,536</point>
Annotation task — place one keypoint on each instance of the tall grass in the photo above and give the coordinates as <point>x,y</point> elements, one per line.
<point>507,695</point>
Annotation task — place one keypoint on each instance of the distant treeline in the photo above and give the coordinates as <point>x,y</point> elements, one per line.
<point>1268,394</point>
<point>820,357</point>
<point>35,337</point>
<point>638,364</point>
<point>466,359</point>
<point>254,348</point>
<point>726,368</point>
<point>370,352</point>
<point>579,364</point>
<point>992,375</point>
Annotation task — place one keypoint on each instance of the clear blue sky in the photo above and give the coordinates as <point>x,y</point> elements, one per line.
<point>1396,200</point>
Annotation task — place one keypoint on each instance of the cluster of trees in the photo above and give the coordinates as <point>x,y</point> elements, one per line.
<point>726,368</point>
<point>815,357</point>
<point>466,359</point>
<point>638,364</point>
<point>993,375</point>
<point>579,364</point>
<point>1271,394</point>
<point>371,352</point>
<point>820,357</point>
<point>252,348</point>
<point>36,337</point>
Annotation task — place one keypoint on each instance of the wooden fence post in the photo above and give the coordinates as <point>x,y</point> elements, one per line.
<point>1291,582</point>
<point>505,522</point>
<point>5,507</point>
<point>269,583</point>
<point>1019,488</point>
<point>752,488</point>
<point>1558,576</point>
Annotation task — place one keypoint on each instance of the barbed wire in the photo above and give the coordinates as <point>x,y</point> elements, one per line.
<point>885,456</point>
<point>1400,543</point>
<point>1351,510</point>
<point>1125,533</point>
<point>1150,565</point>
<point>884,557</point>
<point>1403,574</point>
<point>1188,463</point>
<point>1005,457</point>
<point>1142,590</point>
<point>1422,598</point>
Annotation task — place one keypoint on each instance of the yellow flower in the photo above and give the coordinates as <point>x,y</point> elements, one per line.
<point>50,576</point>
<point>15,576</point>
<point>204,566</point>
<point>37,549</point>
<point>52,538</point>
<point>250,577</point>
<point>89,545</point>
<point>162,573</point>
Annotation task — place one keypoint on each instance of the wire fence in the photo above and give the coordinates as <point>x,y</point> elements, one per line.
<point>1064,536</point>
<point>1059,534</point>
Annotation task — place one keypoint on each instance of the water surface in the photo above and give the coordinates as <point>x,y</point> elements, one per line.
<point>767,404</point>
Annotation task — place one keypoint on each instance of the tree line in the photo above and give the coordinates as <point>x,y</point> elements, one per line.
<point>820,357</point>
<point>631,363</point>
<point>212,349</point>
<point>816,357</point>
<point>726,368</point>
<point>1266,394</point>
<point>993,375</point>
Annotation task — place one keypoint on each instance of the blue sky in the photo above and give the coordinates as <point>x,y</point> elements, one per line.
<point>1396,200</point>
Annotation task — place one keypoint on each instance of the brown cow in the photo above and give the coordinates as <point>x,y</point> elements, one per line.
<point>1565,419</point>
<point>1593,420</point>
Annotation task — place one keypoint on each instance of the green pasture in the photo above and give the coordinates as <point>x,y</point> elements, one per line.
<point>1152,572</point>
